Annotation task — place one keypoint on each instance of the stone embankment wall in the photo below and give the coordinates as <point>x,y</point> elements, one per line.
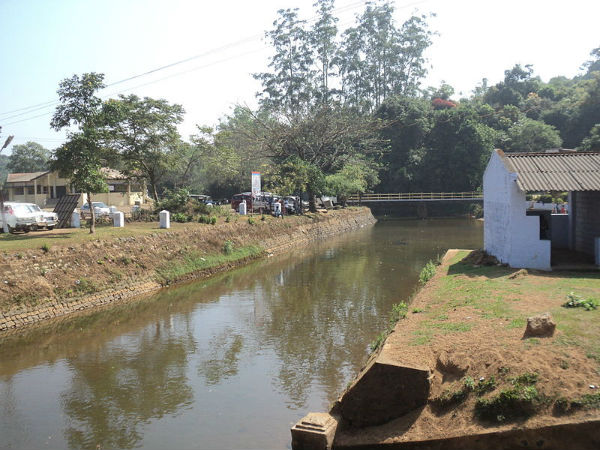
<point>38,285</point>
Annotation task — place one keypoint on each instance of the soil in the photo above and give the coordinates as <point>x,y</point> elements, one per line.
<point>487,346</point>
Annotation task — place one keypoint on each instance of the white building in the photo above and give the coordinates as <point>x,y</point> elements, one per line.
<point>525,238</point>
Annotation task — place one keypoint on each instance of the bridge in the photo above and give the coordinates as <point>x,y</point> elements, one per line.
<point>416,197</point>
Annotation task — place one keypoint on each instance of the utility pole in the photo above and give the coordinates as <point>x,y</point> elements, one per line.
<point>4,224</point>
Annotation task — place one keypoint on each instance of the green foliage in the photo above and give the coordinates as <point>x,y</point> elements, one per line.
<point>28,157</point>
<point>144,133</point>
<point>174,201</point>
<point>228,247</point>
<point>576,301</point>
<point>180,217</point>
<point>45,247</point>
<point>399,311</point>
<point>205,219</point>
<point>251,221</point>
<point>520,400</point>
<point>379,340</point>
<point>528,135</point>
<point>469,383</point>
<point>193,262</point>
<point>485,385</point>
<point>427,273</point>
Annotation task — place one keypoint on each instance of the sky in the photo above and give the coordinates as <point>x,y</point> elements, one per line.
<point>222,44</point>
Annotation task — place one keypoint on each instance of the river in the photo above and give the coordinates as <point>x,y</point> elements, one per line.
<point>231,362</point>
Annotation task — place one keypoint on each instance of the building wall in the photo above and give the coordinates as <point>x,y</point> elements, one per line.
<point>586,220</point>
<point>115,198</point>
<point>509,234</point>
<point>51,181</point>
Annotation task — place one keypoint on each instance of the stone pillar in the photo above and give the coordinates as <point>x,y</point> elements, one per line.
<point>165,219</point>
<point>75,220</point>
<point>118,219</point>
<point>315,431</point>
<point>242,208</point>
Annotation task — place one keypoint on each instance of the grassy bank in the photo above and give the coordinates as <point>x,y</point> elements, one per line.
<point>467,326</point>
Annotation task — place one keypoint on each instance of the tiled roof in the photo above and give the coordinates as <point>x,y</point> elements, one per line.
<point>556,171</point>
<point>23,177</point>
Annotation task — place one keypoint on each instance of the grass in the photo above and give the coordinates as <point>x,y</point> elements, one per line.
<point>194,262</point>
<point>399,311</point>
<point>69,236</point>
<point>427,272</point>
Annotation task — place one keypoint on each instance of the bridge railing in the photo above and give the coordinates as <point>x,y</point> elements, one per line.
<point>415,196</point>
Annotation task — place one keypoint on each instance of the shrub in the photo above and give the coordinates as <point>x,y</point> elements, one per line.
<point>204,219</point>
<point>45,247</point>
<point>399,311</point>
<point>180,217</point>
<point>228,247</point>
<point>213,220</point>
<point>427,273</point>
<point>251,221</point>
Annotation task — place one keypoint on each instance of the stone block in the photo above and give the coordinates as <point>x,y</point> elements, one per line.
<point>384,391</point>
<point>541,325</point>
<point>118,219</point>
<point>314,432</point>
<point>165,219</point>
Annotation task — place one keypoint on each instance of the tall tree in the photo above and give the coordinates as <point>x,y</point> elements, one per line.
<point>81,158</point>
<point>290,84</point>
<point>322,41</point>
<point>143,131</point>
<point>28,157</point>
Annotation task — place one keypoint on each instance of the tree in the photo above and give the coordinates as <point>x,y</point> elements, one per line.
<point>81,157</point>
<point>528,135</point>
<point>143,132</point>
<point>355,177</point>
<point>28,157</point>
<point>322,141</point>
<point>290,85</point>
<point>322,41</point>
<point>457,149</point>
<point>592,142</point>
<point>377,59</point>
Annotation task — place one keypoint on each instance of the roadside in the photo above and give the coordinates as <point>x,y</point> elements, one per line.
<point>64,271</point>
<point>466,326</point>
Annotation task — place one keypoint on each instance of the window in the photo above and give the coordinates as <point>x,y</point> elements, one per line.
<point>18,190</point>
<point>45,189</point>
<point>39,188</point>
<point>30,190</point>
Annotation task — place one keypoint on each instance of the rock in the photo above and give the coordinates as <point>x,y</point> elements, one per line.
<point>541,325</point>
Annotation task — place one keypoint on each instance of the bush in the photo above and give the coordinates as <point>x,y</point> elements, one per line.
<point>427,273</point>
<point>173,201</point>
<point>45,247</point>
<point>180,217</point>
<point>213,220</point>
<point>251,221</point>
<point>144,215</point>
<point>228,247</point>
<point>204,219</point>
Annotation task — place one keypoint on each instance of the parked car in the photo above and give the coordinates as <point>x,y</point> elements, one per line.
<point>100,209</point>
<point>18,217</point>
<point>256,203</point>
<point>45,219</point>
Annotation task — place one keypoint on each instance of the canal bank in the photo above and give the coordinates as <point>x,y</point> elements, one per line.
<point>459,371</point>
<point>49,282</point>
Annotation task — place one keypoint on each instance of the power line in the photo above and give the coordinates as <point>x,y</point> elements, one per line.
<point>50,104</point>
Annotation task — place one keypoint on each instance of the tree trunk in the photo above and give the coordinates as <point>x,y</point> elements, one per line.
<point>92,213</point>
<point>312,204</point>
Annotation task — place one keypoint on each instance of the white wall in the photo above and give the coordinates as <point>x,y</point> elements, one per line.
<point>509,234</point>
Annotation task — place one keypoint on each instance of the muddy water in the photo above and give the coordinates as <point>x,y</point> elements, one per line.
<point>228,363</point>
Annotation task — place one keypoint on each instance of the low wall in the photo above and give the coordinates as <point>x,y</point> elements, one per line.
<point>53,275</point>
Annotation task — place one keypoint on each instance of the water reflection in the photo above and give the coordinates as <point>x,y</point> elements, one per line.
<point>228,363</point>
<point>118,387</point>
